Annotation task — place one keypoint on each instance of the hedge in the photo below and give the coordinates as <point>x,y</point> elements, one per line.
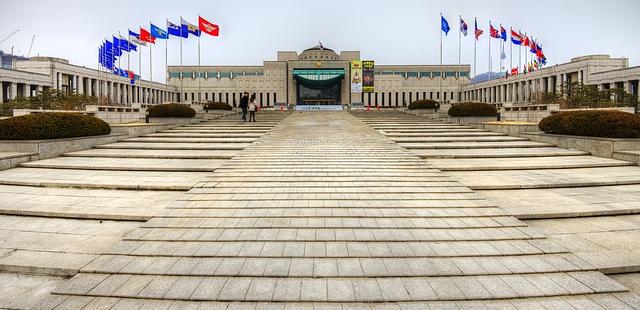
<point>593,123</point>
<point>217,106</point>
<point>472,109</point>
<point>41,126</point>
<point>423,104</point>
<point>171,110</point>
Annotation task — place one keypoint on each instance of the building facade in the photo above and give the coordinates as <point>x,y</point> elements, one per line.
<point>600,70</point>
<point>28,77</point>
<point>317,76</point>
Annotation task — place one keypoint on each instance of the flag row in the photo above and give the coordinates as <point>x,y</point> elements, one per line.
<point>110,51</point>
<point>517,37</point>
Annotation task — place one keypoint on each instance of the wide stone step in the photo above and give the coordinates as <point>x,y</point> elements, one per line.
<point>174,146</point>
<point>10,160</point>
<point>335,267</point>
<point>497,153</point>
<point>339,290</point>
<point>126,154</point>
<point>473,145</point>
<point>524,163</point>
<point>83,203</point>
<point>125,180</point>
<point>131,164</point>
<point>180,140</point>
<point>456,139</point>
<point>203,135</point>
<point>548,178</point>
<point>568,202</point>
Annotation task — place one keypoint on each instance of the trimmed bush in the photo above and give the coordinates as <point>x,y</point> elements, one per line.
<point>472,109</point>
<point>593,123</point>
<point>41,126</point>
<point>171,110</point>
<point>217,106</point>
<point>423,104</point>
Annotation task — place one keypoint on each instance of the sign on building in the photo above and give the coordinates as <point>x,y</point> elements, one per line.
<point>356,76</point>
<point>367,76</point>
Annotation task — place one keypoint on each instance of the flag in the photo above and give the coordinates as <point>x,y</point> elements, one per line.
<point>189,28</point>
<point>135,38</point>
<point>532,47</point>
<point>514,70</point>
<point>124,44</point>
<point>444,25</point>
<point>503,33</point>
<point>207,27</point>
<point>525,42</point>
<point>493,32</point>
<point>463,27</point>
<point>158,32</point>
<point>175,30</point>
<point>146,36</point>
<point>108,55</point>
<point>117,50</point>
<point>478,32</point>
<point>516,38</point>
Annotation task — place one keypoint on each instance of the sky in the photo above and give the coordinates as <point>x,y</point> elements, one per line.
<point>387,31</point>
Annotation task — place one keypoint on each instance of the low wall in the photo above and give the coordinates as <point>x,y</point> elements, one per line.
<point>603,147</point>
<point>515,129</point>
<point>133,130</point>
<point>8,162</point>
<point>117,115</point>
<point>54,147</point>
<point>214,114</point>
<point>468,120</point>
<point>532,116</point>
<point>179,121</point>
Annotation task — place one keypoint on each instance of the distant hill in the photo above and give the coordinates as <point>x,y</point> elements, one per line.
<point>483,77</point>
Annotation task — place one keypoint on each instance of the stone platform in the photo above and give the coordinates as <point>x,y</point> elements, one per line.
<point>325,212</point>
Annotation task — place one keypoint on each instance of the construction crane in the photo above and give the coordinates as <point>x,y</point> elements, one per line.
<point>9,36</point>
<point>31,46</point>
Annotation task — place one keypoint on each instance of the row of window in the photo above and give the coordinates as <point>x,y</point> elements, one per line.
<point>218,75</point>
<point>263,99</point>
<point>396,99</point>
<point>423,74</point>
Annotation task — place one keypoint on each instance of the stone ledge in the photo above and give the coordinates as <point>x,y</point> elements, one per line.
<point>54,147</point>
<point>10,160</point>
<point>632,156</point>
<point>515,129</point>
<point>603,147</point>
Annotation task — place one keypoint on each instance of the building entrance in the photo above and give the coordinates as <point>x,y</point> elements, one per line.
<point>318,86</point>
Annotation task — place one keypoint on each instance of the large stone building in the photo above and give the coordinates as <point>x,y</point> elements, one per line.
<point>317,76</point>
<point>28,77</point>
<point>600,70</point>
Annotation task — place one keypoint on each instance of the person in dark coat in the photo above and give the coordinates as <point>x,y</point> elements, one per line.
<point>244,105</point>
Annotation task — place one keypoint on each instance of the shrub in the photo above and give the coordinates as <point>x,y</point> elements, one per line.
<point>217,106</point>
<point>472,109</point>
<point>593,123</point>
<point>171,110</point>
<point>423,104</point>
<point>40,126</point>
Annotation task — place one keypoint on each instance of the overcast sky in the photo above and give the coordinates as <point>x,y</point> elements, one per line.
<point>389,32</point>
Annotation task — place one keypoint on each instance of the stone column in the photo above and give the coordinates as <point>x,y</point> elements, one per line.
<point>13,93</point>
<point>26,92</point>
<point>38,89</point>
<point>1,92</point>
<point>80,85</point>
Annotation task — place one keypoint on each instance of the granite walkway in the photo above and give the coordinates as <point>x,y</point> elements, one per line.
<point>324,212</point>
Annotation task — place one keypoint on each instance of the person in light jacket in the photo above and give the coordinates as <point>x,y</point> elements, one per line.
<point>252,108</point>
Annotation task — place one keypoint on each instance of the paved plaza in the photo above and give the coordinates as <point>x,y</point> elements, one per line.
<point>321,210</point>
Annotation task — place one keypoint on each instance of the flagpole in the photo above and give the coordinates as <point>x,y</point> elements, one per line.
<point>475,48</point>
<point>166,58</point>
<point>510,51</point>
<point>441,77</point>
<point>150,64</point>
<point>181,77</point>
<point>459,46</point>
<point>520,52</point>
<point>199,77</point>
<point>489,50</point>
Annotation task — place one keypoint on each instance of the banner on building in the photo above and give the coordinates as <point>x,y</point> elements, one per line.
<point>356,76</point>
<point>367,76</point>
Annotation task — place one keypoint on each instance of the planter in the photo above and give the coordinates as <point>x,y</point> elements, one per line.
<point>54,147</point>
<point>603,147</point>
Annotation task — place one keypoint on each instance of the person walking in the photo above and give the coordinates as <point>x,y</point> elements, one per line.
<point>244,104</point>
<point>252,108</point>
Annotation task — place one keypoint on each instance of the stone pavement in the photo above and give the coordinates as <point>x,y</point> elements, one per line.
<point>584,203</point>
<point>324,212</point>
<point>57,215</point>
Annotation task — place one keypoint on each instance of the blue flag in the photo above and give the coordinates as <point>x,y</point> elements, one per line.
<point>444,25</point>
<point>189,28</point>
<point>159,33</point>
<point>176,30</point>
<point>124,44</point>
<point>108,54</point>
